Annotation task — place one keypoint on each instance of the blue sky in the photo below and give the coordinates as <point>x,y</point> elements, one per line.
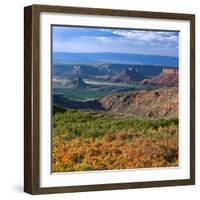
<point>81,39</point>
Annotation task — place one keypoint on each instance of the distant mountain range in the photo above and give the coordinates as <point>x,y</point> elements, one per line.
<point>74,78</point>
<point>128,76</point>
<point>168,77</point>
<point>147,74</point>
<point>109,57</point>
<point>105,71</point>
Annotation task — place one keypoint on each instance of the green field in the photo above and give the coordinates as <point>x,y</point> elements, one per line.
<point>94,91</point>
<point>71,124</point>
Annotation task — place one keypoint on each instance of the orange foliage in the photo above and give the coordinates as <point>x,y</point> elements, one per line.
<point>121,150</point>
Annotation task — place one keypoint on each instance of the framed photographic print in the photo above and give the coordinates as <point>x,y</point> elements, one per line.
<point>109,99</point>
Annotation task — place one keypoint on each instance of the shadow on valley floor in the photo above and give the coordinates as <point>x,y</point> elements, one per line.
<point>60,103</point>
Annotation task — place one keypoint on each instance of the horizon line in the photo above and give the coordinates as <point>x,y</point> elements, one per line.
<point>115,53</point>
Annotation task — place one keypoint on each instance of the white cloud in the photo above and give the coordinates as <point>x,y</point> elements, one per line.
<point>120,40</point>
<point>102,38</point>
<point>148,36</point>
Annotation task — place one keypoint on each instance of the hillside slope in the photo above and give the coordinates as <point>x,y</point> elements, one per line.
<point>168,77</point>
<point>159,103</point>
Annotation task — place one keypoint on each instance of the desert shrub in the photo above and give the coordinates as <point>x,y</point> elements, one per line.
<point>113,151</point>
<point>85,124</point>
<point>97,141</point>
